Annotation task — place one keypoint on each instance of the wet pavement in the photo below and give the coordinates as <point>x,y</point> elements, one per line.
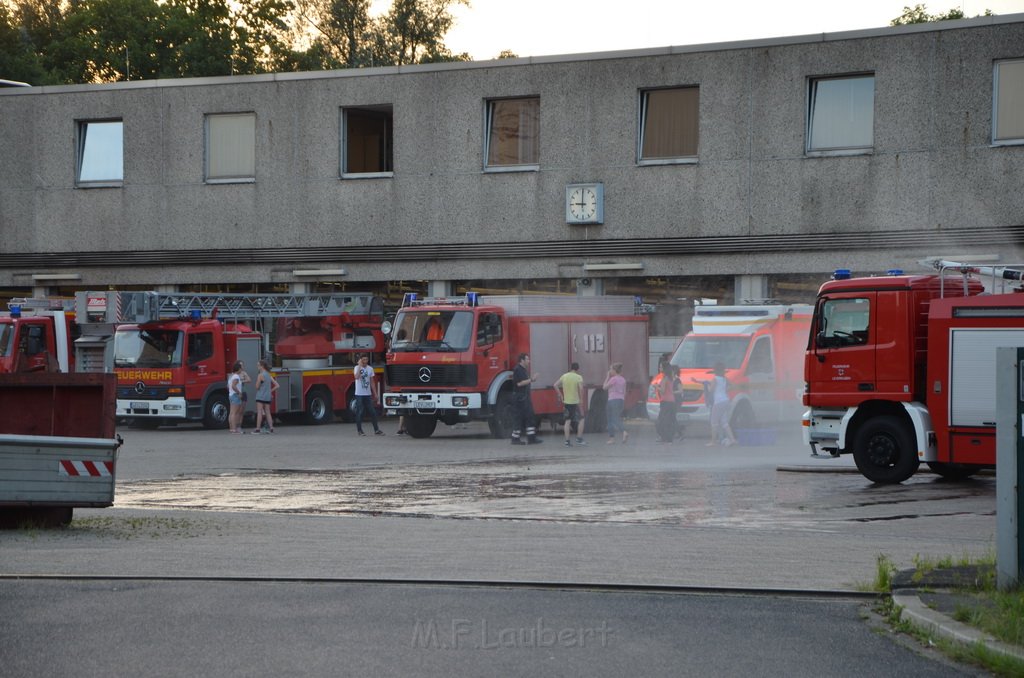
<point>322,502</point>
<point>686,484</point>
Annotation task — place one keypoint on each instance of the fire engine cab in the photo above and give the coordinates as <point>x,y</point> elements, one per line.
<point>900,369</point>
<point>451,359</point>
<point>36,335</point>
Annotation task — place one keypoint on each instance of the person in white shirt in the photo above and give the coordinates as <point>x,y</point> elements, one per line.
<point>366,395</point>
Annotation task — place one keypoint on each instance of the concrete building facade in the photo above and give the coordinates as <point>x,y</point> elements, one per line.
<point>743,162</point>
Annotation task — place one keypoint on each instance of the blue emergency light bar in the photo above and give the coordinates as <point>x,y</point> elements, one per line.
<point>842,274</point>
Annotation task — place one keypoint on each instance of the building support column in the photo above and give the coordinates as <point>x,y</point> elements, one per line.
<point>750,288</point>
<point>439,288</point>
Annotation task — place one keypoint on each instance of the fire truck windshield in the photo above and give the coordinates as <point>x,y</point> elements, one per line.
<point>421,330</point>
<point>697,352</point>
<point>147,348</point>
<point>6,338</point>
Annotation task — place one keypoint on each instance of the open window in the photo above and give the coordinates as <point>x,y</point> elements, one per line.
<point>100,158</point>
<point>841,115</point>
<point>367,142</point>
<point>669,125</point>
<point>513,133</point>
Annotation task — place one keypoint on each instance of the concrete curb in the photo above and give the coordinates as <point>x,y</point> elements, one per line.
<point>941,625</point>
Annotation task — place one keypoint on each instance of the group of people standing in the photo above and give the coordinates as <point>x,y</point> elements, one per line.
<point>266,384</point>
<point>365,396</point>
<point>716,398</point>
<point>569,387</point>
<point>572,394</point>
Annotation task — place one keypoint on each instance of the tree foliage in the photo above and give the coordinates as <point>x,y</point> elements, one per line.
<point>108,40</point>
<point>344,35</point>
<point>918,14</point>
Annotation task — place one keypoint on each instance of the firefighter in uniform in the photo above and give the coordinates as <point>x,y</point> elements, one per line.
<point>525,419</point>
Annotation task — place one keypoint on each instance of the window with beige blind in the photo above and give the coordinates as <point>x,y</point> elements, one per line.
<point>231,148</point>
<point>367,141</point>
<point>513,133</point>
<point>669,125</point>
<point>1008,102</point>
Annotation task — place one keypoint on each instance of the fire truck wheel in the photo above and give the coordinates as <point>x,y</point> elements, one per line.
<point>953,471</point>
<point>597,413</point>
<point>348,415</point>
<point>420,426</point>
<point>742,417</point>
<point>503,418</point>
<point>884,451</point>
<point>215,413</point>
<point>319,408</point>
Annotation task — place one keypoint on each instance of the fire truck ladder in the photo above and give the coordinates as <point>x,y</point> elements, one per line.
<point>998,274</point>
<point>66,304</point>
<point>141,307</point>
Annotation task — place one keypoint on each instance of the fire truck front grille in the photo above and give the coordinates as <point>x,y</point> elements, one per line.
<point>692,395</point>
<point>146,393</point>
<point>431,376</point>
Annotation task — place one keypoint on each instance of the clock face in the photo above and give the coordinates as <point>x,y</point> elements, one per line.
<point>583,204</point>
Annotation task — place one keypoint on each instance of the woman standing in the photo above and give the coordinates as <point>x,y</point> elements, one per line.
<point>666,424</point>
<point>615,385</point>
<point>265,387</point>
<point>235,398</point>
<point>721,432</point>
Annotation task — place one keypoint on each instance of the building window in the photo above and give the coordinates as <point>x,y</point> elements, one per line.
<point>100,153</point>
<point>513,133</point>
<point>1008,107</point>
<point>669,122</point>
<point>231,148</point>
<point>840,116</point>
<point>366,140</point>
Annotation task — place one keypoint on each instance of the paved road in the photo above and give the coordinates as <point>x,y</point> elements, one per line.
<point>320,503</point>
<point>144,628</point>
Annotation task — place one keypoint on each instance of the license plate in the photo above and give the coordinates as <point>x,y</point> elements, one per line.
<point>140,406</point>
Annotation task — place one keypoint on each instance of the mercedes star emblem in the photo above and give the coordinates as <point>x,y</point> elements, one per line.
<point>424,374</point>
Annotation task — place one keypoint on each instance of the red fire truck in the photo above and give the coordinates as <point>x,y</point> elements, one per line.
<point>172,353</point>
<point>761,347</point>
<point>38,335</point>
<point>451,359</point>
<point>900,369</point>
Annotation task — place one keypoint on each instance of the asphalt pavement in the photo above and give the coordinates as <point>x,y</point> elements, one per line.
<point>740,557</point>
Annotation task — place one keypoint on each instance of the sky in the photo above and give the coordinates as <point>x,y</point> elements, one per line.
<point>545,27</point>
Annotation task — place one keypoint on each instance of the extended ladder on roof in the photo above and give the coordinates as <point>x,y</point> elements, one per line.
<point>35,304</point>
<point>111,307</point>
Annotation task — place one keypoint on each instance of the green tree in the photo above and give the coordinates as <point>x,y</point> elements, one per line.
<point>918,14</point>
<point>110,40</point>
<point>344,35</point>
<point>343,32</point>
<point>18,61</point>
<point>413,32</point>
